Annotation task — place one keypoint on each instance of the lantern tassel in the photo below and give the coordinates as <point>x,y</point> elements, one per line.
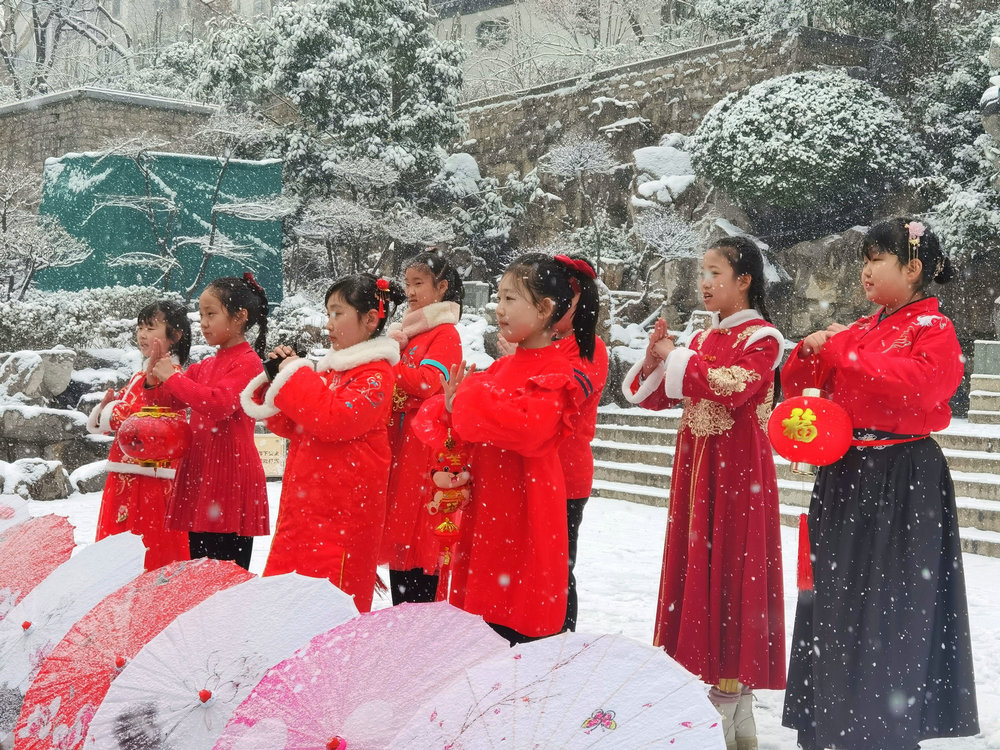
<point>805,571</point>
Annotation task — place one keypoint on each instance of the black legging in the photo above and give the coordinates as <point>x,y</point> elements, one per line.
<point>574,517</point>
<point>230,546</point>
<point>412,586</point>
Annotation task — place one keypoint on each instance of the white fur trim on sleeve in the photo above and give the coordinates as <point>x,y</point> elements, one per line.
<point>768,333</point>
<point>251,407</point>
<point>646,387</point>
<point>673,379</point>
<point>283,377</point>
<point>99,422</point>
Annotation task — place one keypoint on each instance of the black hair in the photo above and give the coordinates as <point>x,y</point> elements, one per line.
<point>746,259</point>
<point>244,293</point>
<point>893,236</point>
<point>441,269</point>
<point>542,276</point>
<point>588,307</point>
<point>361,291</point>
<point>175,318</point>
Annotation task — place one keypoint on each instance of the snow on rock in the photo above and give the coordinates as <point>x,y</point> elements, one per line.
<point>461,174</point>
<point>36,376</point>
<point>35,479</point>
<point>472,331</point>
<point>90,477</point>
<point>40,425</point>
<point>665,172</point>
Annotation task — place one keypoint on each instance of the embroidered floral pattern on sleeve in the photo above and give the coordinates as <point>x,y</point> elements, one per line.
<point>729,380</point>
<point>745,334</point>
<point>764,408</point>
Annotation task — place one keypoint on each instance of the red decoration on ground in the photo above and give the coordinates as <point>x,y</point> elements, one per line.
<point>810,429</point>
<point>155,435</point>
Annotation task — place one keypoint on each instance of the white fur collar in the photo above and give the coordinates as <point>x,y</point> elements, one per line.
<point>372,350</point>
<point>737,318</point>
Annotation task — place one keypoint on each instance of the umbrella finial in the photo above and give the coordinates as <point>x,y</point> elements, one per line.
<point>119,661</point>
<point>205,695</point>
<point>336,743</point>
<point>26,626</point>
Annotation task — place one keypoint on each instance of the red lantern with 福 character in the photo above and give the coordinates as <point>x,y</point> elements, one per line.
<point>154,436</point>
<point>809,430</point>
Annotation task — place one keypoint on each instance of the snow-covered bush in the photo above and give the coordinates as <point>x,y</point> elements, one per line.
<point>804,141</point>
<point>740,17</point>
<point>103,316</point>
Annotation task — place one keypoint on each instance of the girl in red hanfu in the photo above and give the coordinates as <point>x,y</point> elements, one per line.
<point>429,347</point>
<point>511,561</point>
<point>334,415</point>
<point>720,608</point>
<point>135,496</point>
<point>220,496</point>
<point>881,655</point>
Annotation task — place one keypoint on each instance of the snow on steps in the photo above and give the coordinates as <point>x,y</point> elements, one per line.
<point>634,448</point>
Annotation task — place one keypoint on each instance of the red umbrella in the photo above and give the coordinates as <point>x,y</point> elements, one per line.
<point>29,551</point>
<point>66,693</point>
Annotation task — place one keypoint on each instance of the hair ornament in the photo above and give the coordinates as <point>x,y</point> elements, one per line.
<point>252,282</point>
<point>577,265</point>
<point>939,267</point>
<point>381,290</point>
<point>916,231</point>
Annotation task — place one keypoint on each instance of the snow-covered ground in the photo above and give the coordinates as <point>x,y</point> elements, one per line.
<point>618,572</point>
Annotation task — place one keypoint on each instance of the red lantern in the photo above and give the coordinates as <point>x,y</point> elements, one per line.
<point>809,429</point>
<point>154,435</point>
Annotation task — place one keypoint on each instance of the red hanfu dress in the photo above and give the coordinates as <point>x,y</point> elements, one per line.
<point>333,495</point>
<point>429,348</point>
<point>220,487</point>
<point>135,496</point>
<point>720,609</point>
<point>511,565</point>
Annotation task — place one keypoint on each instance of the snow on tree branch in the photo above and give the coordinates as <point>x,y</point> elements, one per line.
<point>579,157</point>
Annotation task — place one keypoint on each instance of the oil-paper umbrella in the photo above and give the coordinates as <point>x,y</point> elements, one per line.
<point>183,686</point>
<point>39,622</point>
<point>360,682</point>
<point>66,693</point>
<point>13,510</point>
<point>573,690</point>
<point>29,551</point>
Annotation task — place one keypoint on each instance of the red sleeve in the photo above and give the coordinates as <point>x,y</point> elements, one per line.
<point>926,374</point>
<point>523,421</point>
<point>357,406</point>
<point>218,400</point>
<point>731,385</point>
<point>444,352</point>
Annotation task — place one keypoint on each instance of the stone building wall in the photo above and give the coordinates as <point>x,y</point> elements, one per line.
<point>509,133</point>
<point>86,119</point>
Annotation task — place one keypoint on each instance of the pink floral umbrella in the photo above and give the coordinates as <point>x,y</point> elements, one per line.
<point>13,510</point>
<point>569,691</point>
<point>29,551</point>
<point>360,682</point>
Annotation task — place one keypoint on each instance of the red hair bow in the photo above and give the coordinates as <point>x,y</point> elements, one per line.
<point>580,266</point>
<point>381,290</point>
<point>252,282</point>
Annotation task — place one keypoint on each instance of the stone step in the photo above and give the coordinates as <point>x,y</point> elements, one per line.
<point>984,401</point>
<point>985,383</point>
<point>975,540</point>
<point>981,416</point>
<point>668,419</point>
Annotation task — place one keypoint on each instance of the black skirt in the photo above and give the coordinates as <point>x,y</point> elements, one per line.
<point>881,656</point>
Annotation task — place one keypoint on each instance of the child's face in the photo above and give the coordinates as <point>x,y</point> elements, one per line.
<point>519,318</point>
<point>217,325</point>
<point>721,289</point>
<point>150,331</point>
<point>887,281</point>
<point>421,289</point>
<point>346,326</point>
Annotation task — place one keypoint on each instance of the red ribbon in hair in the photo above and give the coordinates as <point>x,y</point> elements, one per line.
<point>252,282</point>
<point>381,289</point>
<point>577,265</point>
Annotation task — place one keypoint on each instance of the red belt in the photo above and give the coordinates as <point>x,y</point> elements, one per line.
<point>880,443</point>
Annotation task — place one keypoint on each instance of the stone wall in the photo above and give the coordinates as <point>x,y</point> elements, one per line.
<point>509,133</point>
<point>86,119</point>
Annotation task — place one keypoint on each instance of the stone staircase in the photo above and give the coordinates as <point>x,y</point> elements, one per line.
<point>634,449</point>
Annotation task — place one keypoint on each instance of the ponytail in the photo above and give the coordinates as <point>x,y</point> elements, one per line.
<point>245,293</point>
<point>588,307</point>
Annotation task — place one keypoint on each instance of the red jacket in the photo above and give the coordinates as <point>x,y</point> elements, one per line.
<point>425,356</point>
<point>575,453</point>
<point>511,562</point>
<point>220,486</point>
<point>333,493</point>
<point>896,375</point>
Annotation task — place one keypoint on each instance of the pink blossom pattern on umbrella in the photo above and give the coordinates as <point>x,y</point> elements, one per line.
<point>36,625</point>
<point>13,510</point>
<point>66,693</point>
<point>182,687</point>
<point>29,551</point>
<point>573,690</point>
<point>360,681</point>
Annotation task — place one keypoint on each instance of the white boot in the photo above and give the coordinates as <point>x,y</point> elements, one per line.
<point>745,728</point>
<point>726,706</point>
